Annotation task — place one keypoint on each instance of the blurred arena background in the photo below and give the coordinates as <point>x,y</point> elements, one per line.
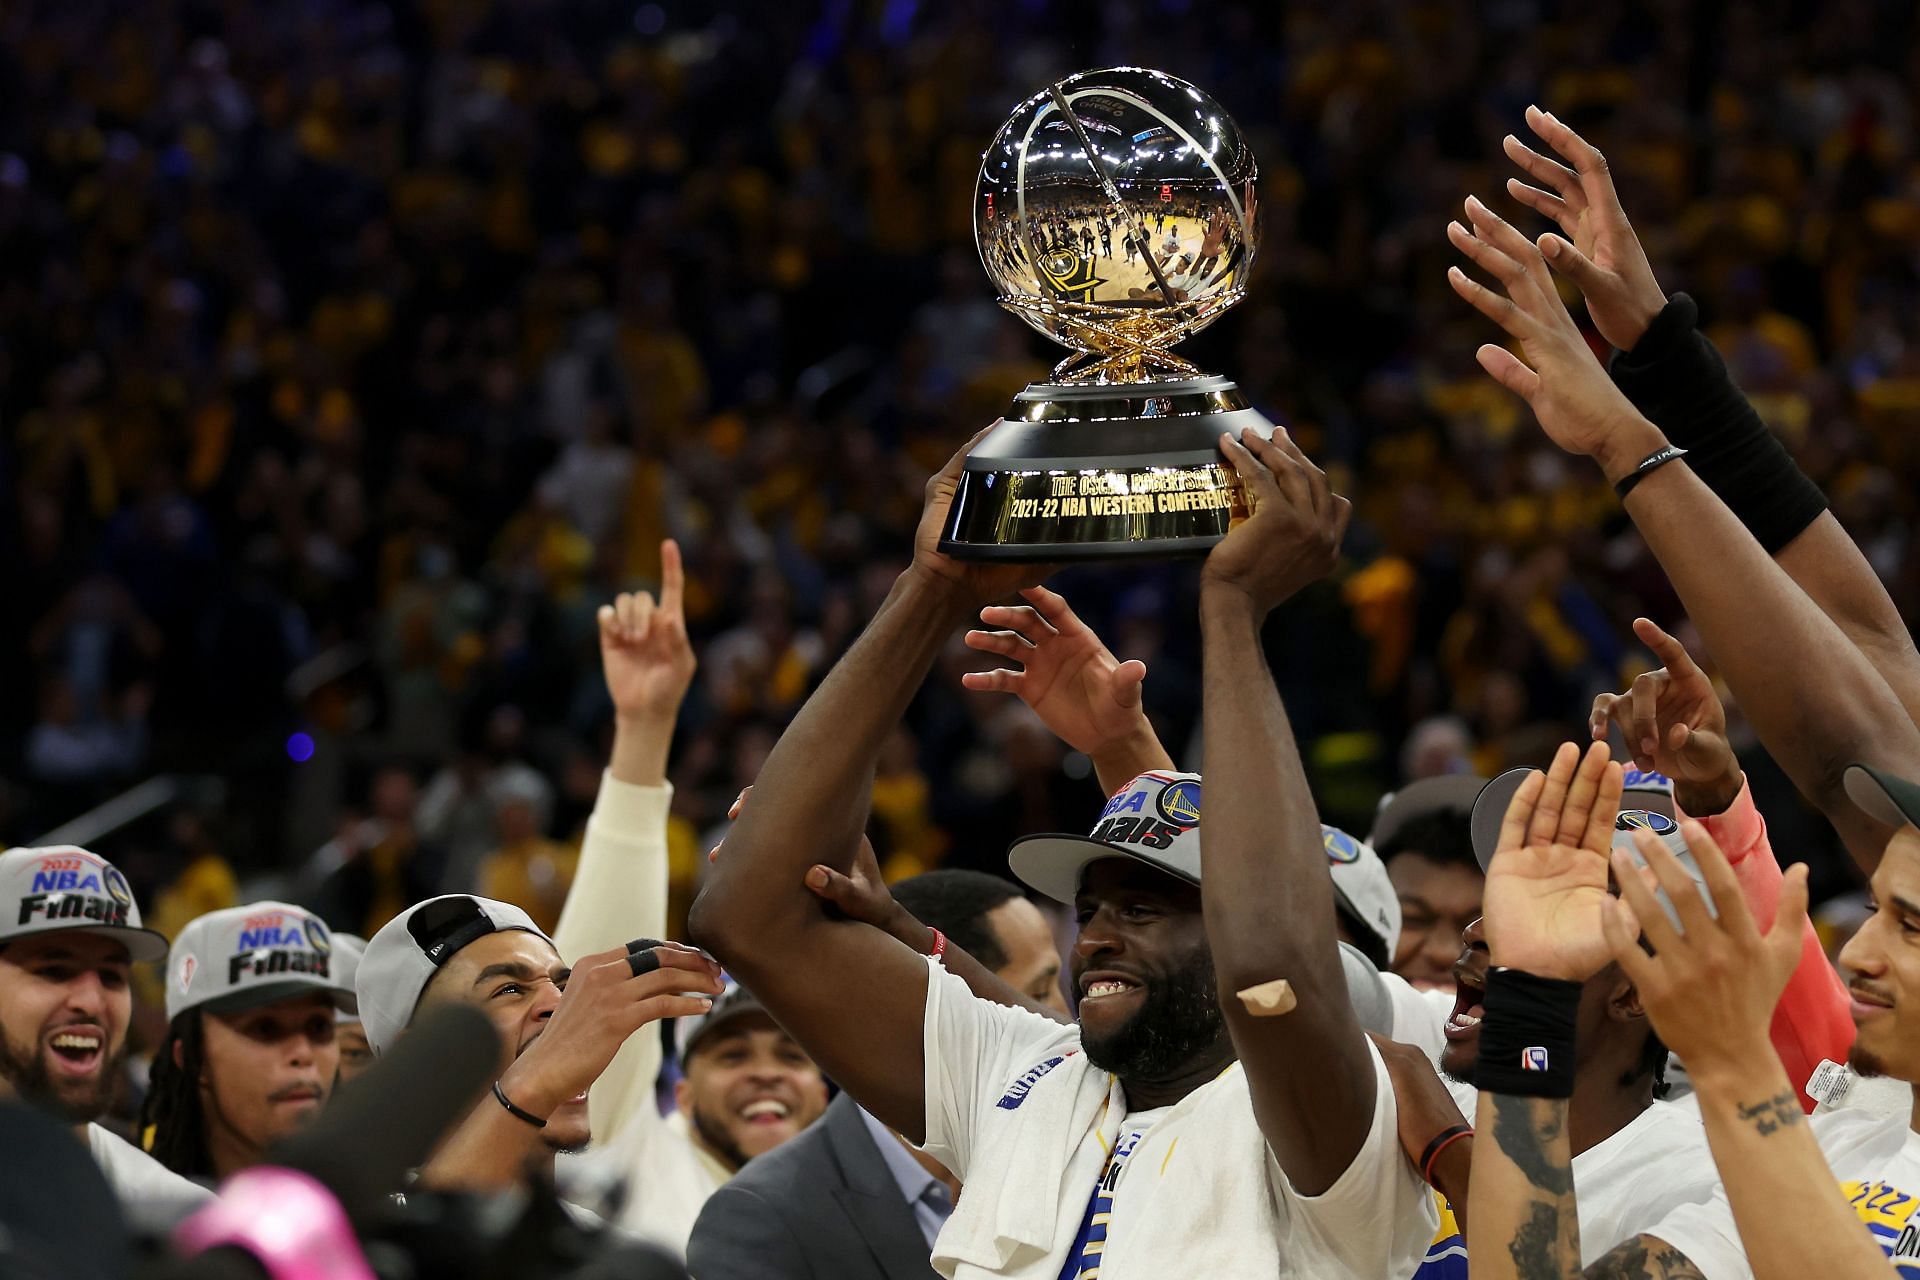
<point>352,353</point>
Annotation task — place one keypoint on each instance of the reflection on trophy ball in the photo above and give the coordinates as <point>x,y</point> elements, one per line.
<point>1134,215</point>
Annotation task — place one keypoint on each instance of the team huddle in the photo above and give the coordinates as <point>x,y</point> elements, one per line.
<point>1626,1055</point>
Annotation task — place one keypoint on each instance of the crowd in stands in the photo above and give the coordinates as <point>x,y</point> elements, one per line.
<point>353,353</point>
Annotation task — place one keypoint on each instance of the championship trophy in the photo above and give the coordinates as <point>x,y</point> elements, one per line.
<point>1115,214</point>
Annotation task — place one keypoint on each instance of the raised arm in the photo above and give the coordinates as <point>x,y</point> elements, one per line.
<point>1710,986</point>
<point>1727,581</point>
<point>1545,891</point>
<point>1674,723</point>
<point>1089,698</point>
<point>861,894</point>
<point>1264,885</point>
<point>619,890</point>
<point>1673,375</point>
<point>809,807</point>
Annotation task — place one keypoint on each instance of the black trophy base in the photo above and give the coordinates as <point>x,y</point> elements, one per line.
<point>1104,473</point>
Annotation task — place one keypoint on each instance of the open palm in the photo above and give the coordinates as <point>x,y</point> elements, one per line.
<point>1080,691</point>
<point>1607,262</point>
<point>1546,890</point>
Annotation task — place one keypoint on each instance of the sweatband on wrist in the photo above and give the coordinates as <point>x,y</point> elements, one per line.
<point>1441,1141</point>
<point>1678,381</point>
<point>1527,1035</point>
<point>939,949</point>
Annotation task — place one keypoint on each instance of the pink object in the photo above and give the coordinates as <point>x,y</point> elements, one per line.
<point>1812,1020</point>
<point>287,1220</point>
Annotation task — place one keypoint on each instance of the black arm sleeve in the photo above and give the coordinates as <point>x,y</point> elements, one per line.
<point>1676,378</point>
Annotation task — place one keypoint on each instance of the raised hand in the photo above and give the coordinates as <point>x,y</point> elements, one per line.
<point>1547,886</point>
<point>1560,379</point>
<point>1293,536</point>
<point>1674,723</point>
<point>1711,984</point>
<point>1072,681</point>
<point>610,995</point>
<point>859,893</point>
<point>644,652</point>
<point>1599,251</point>
<point>979,582</point>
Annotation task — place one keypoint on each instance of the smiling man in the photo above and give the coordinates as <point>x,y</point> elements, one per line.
<point>251,1052</point>
<point>69,934</point>
<point>747,1087</point>
<point>1181,1127</point>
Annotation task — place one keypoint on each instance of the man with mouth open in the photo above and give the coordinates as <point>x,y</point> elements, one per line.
<point>559,1026</point>
<point>1217,1109</point>
<point>69,934</point>
<point>1636,1156</point>
<point>746,1086</point>
<point>250,1053</point>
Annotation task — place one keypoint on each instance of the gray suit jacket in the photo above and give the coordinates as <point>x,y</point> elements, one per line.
<point>823,1206</point>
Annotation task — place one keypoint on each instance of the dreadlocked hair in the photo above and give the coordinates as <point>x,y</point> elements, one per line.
<point>173,1109</point>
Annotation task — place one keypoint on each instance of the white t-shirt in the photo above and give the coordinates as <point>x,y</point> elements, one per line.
<point>152,1196</point>
<point>1632,1179</point>
<point>1018,1113</point>
<point>1877,1163</point>
<point>1623,1185</point>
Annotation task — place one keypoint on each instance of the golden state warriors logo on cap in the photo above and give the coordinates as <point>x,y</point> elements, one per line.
<point>1179,803</point>
<point>117,887</point>
<point>317,936</point>
<point>1644,820</point>
<point>1341,847</point>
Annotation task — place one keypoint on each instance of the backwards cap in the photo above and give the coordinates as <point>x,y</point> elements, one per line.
<point>402,958</point>
<point>1646,804</point>
<point>64,888</point>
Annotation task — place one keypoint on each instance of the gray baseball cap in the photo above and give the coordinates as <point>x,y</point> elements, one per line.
<point>1361,884</point>
<point>61,888</point>
<point>401,959</point>
<point>347,950</point>
<point>1447,793</point>
<point>733,1002</point>
<point>1646,804</point>
<point>247,956</point>
<point>1154,819</point>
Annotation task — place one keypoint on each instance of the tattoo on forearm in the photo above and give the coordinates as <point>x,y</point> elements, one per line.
<point>1643,1258</point>
<point>1535,1242</point>
<point>1522,1127</point>
<point>1782,1111</point>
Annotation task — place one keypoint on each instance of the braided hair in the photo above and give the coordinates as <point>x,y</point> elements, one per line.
<point>173,1108</point>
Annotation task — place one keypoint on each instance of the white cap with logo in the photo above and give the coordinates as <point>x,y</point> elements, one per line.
<point>247,956</point>
<point>401,959</point>
<point>1361,883</point>
<point>60,888</point>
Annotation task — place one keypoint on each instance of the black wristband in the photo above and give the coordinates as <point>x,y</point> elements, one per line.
<point>1526,1037</point>
<point>514,1111</point>
<point>1649,464</point>
<point>1678,381</point>
<point>1674,324</point>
